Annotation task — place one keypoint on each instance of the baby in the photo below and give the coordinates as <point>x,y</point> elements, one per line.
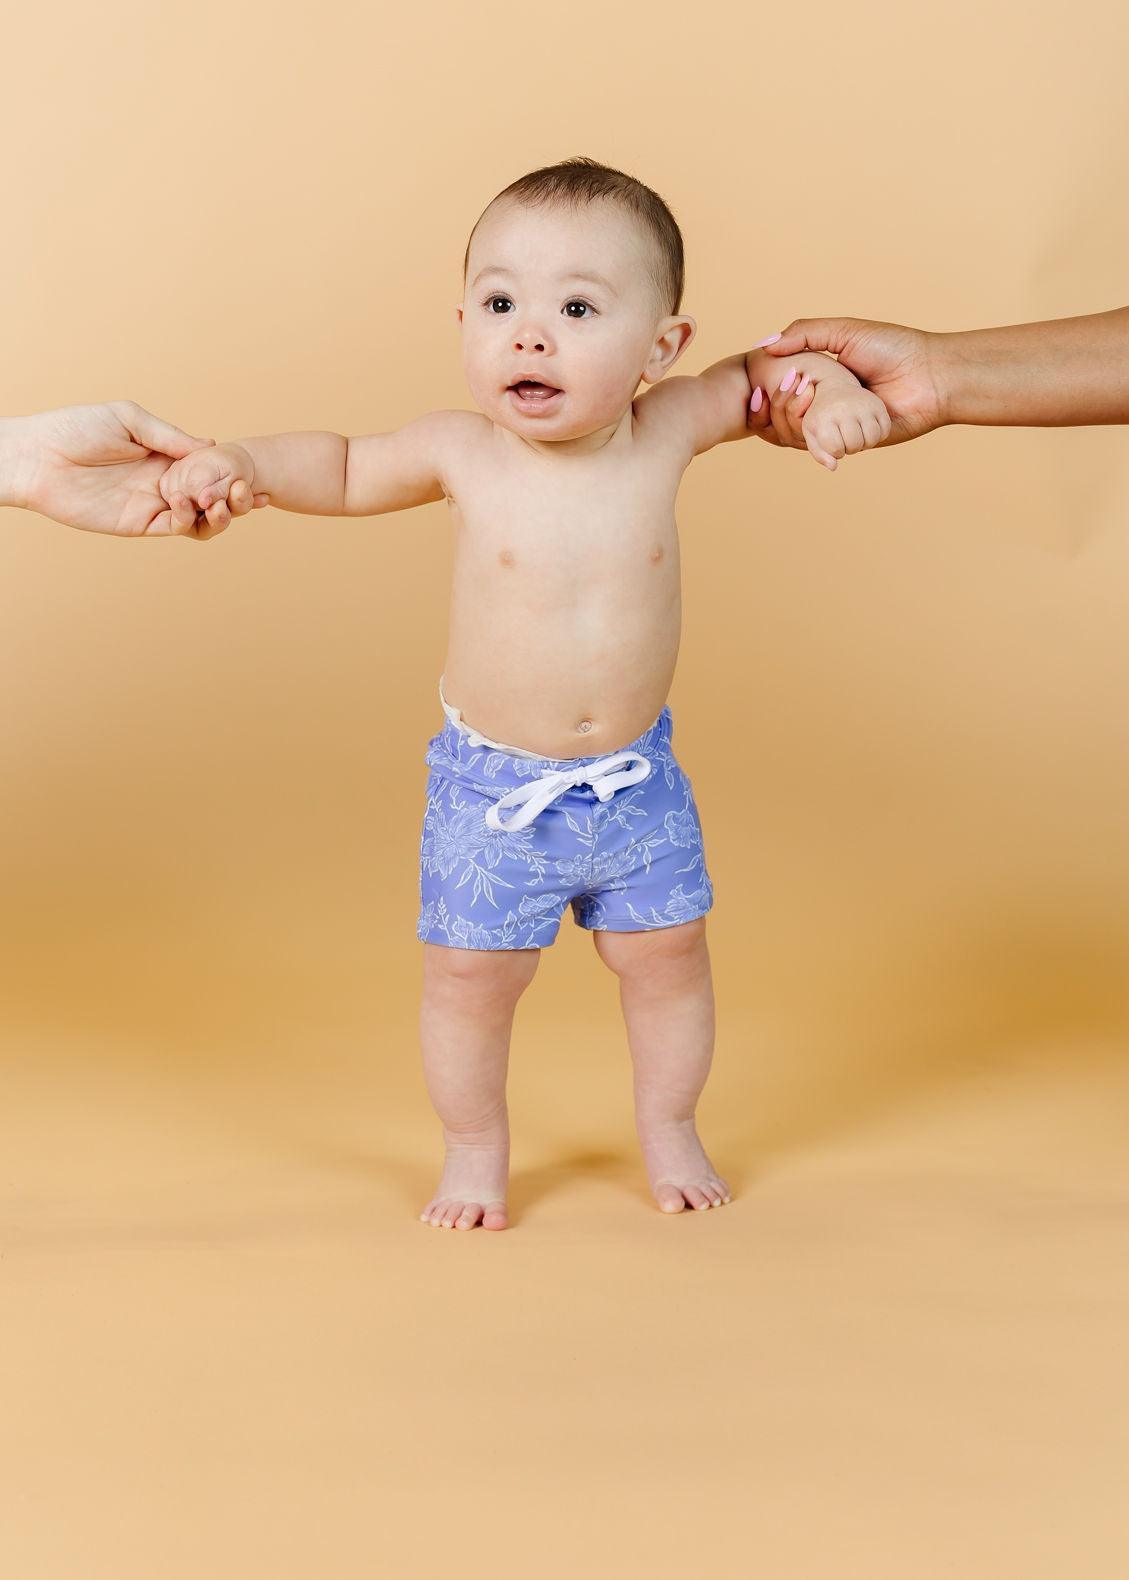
<point>565,625</point>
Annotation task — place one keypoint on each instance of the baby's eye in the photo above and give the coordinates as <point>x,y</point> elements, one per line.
<point>586,309</point>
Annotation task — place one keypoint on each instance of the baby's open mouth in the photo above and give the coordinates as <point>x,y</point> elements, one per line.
<point>532,392</point>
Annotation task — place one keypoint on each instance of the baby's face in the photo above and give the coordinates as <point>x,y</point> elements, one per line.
<point>564,297</point>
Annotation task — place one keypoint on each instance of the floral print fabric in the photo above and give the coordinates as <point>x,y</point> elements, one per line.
<point>628,864</point>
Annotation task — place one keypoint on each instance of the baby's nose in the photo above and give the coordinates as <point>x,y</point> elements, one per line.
<point>529,343</point>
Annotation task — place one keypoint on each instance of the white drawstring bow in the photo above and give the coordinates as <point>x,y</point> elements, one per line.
<point>533,798</point>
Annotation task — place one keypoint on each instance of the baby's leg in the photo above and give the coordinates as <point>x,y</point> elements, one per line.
<point>666,991</point>
<point>469,999</point>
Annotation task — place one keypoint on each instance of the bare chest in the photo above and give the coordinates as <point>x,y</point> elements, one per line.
<point>557,534</point>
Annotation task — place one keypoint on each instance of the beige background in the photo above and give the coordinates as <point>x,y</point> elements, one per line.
<point>230,1346</point>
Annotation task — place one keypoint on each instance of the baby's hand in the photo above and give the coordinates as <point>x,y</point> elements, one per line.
<point>843,419</point>
<point>204,494</point>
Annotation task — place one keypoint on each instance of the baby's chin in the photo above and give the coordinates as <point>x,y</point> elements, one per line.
<point>551,424</point>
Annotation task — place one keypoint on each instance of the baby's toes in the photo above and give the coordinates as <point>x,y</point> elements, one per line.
<point>669,1196</point>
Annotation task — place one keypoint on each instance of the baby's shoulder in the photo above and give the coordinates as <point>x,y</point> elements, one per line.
<point>457,430</point>
<point>453,440</point>
<point>664,417</point>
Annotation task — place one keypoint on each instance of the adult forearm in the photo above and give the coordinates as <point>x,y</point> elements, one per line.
<point>304,472</point>
<point>13,462</point>
<point>1066,371</point>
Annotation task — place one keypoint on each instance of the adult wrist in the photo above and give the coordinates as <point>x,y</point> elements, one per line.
<point>943,373</point>
<point>13,463</point>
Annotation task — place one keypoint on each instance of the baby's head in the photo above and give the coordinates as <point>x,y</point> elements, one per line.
<point>573,277</point>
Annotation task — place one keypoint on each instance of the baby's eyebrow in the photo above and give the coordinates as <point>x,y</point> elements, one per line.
<point>592,279</point>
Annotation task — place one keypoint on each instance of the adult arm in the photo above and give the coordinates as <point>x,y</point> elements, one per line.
<point>1056,373</point>
<point>96,467</point>
<point>1062,372</point>
<point>11,488</point>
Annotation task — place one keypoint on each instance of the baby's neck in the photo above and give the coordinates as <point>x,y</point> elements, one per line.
<point>582,444</point>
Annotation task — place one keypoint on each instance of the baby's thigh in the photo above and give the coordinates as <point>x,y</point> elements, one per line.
<point>479,978</point>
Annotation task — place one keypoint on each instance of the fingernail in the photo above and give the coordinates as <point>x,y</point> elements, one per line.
<point>788,380</point>
<point>758,399</point>
<point>771,341</point>
<point>803,384</point>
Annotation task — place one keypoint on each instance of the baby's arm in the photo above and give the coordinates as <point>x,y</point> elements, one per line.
<point>839,415</point>
<point>322,474</point>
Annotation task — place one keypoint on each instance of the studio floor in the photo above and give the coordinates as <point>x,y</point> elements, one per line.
<point>232,1349</point>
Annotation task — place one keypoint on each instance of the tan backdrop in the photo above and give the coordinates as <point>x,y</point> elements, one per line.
<point>902,702</point>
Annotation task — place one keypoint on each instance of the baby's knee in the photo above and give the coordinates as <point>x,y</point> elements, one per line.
<point>657,953</point>
<point>487,975</point>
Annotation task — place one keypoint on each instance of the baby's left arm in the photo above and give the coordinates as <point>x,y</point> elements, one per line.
<point>734,398</point>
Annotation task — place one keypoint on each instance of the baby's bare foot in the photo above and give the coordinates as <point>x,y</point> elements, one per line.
<point>473,1187</point>
<point>678,1168</point>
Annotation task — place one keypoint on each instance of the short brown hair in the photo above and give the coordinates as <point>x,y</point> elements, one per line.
<point>580,181</point>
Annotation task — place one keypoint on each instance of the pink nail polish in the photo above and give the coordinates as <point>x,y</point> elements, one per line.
<point>758,398</point>
<point>804,382</point>
<point>788,380</point>
<point>771,341</point>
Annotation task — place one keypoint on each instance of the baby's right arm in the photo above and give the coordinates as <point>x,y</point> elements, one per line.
<point>320,474</point>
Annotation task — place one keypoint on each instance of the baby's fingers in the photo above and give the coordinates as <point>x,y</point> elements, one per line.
<point>183,512</point>
<point>825,443</point>
<point>854,439</point>
<point>872,428</point>
<point>213,502</point>
<point>188,522</point>
<point>240,500</point>
<point>818,453</point>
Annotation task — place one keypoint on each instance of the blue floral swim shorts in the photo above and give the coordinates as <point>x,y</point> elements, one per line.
<point>510,838</point>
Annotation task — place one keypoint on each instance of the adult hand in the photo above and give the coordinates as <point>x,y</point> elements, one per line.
<point>893,361</point>
<point>97,468</point>
<point>779,418</point>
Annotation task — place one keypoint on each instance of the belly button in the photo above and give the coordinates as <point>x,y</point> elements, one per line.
<point>584,726</point>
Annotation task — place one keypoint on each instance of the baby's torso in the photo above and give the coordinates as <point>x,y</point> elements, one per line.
<point>566,594</point>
